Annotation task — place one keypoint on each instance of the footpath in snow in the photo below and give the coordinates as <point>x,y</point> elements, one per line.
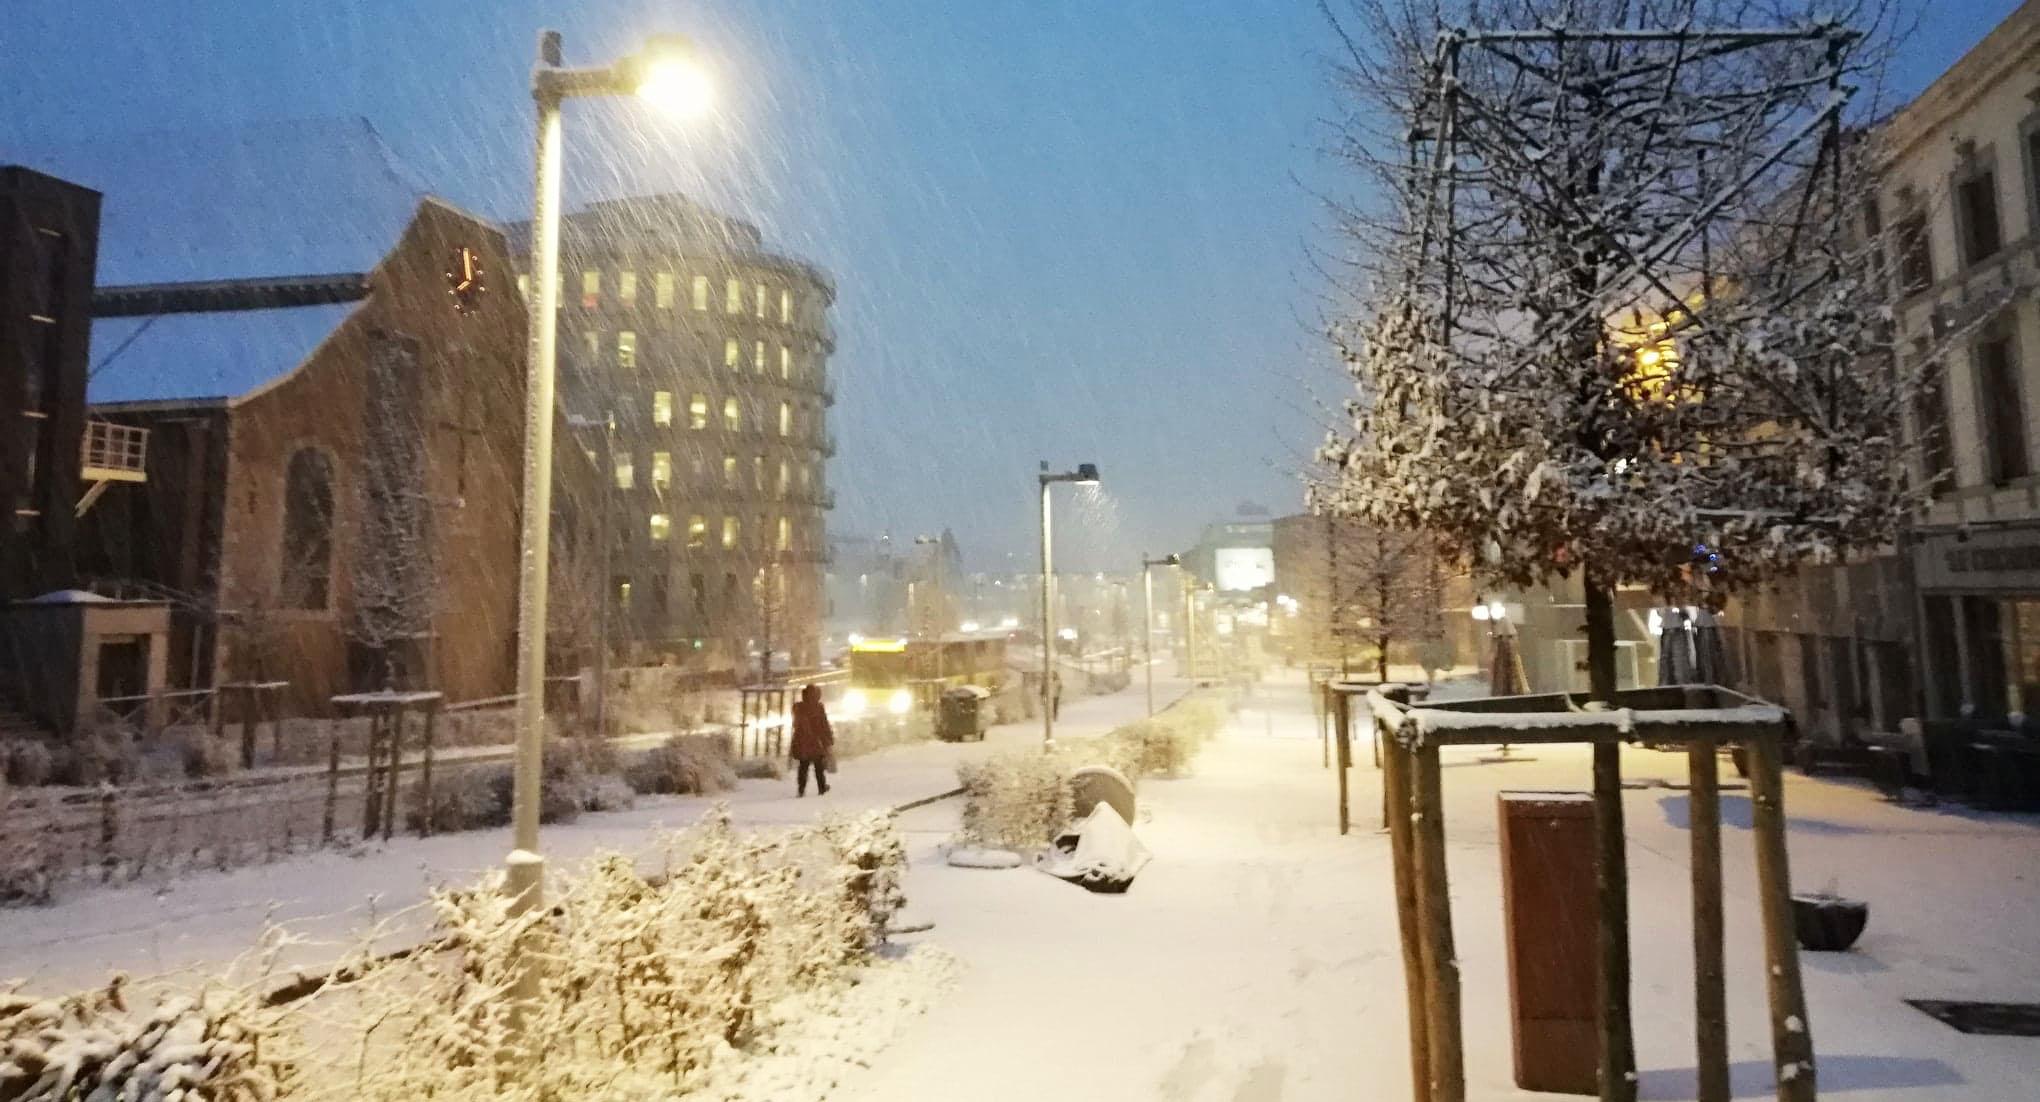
<point>201,921</point>
<point>1256,958</point>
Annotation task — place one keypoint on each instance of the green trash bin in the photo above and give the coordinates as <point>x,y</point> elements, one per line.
<point>962,714</point>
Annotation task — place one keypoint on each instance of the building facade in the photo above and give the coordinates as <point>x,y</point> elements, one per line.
<point>708,354</point>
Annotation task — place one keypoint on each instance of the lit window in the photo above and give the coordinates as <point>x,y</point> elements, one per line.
<point>662,470</point>
<point>785,362</point>
<point>626,287</point>
<point>758,357</point>
<point>697,412</point>
<point>731,528</point>
<point>697,531</point>
<point>732,415</point>
<point>524,287</point>
<point>662,407</point>
<point>625,475</point>
<point>758,472</point>
<point>701,293</point>
<point>661,527</point>
<point>732,354</point>
<point>733,297</point>
<point>761,300</point>
<point>782,478</point>
<point>662,291</point>
<point>623,594</point>
<point>786,418</point>
<point>785,534</point>
<point>729,472</point>
<point>626,349</point>
<point>785,306</point>
<point>591,289</point>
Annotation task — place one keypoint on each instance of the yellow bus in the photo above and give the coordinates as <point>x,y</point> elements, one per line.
<point>899,676</point>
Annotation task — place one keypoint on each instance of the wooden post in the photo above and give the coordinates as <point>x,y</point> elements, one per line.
<point>1324,723</point>
<point>371,817</point>
<point>250,700</point>
<point>1710,1005</point>
<point>1434,907</point>
<point>425,772</point>
<point>332,784</point>
<point>396,761</point>
<point>1791,1036</point>
<point>109,830</point>
<point>1396,805</point>
<point>218,717</point>
<point>1611,897</point>
<point>1342,725</point>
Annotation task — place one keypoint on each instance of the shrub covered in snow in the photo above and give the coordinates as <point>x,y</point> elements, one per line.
<point>683,764</point>
<point>1017,800</point>
<point>97,1045</point>
<point>27,762</point>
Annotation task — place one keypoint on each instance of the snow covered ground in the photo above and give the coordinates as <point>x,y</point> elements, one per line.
<point>202,921</point>
<point>1256,957</point>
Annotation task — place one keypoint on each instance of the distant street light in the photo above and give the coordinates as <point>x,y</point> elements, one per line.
<point>1147,617</point>
<point>1086,474</point>
<point>664,73</point>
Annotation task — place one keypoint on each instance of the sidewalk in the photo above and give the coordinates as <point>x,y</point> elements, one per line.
<point>202,921</point>
<point>1257,958</point>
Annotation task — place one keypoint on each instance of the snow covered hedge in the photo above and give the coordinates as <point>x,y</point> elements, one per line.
<point>644,984</point>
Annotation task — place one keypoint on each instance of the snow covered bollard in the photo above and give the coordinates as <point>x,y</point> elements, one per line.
<point>1101,854</point>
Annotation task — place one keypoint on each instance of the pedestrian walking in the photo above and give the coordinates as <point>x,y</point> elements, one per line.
<point>1055,695</point>
<point>814,742</point>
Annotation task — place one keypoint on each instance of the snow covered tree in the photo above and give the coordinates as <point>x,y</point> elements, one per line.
<point>391,567</point>
<point>1383,586</point>
<point>1612,314</point>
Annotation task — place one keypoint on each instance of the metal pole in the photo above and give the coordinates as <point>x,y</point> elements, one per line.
<point>1147,623</point>
<point>526,867</point>
<point>1047,628</point>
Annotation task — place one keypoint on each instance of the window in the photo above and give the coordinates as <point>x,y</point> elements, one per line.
<point>701,293</point>
<point>732,528</point>
<point>626,349</point>
<point>698,466</point>
<point>732,415</point>
<point>733,297</point>
<point>661,527</point>
<point>1930,428</point>
<point>1976,216</point>
<point>729,472</point>
<point>662,291</point>
<point>662,604</point>
<point>729,592</point>
<point>622,587</point>
<point>626,474</point>
<point>2004,414</point>
<point>626,288</point>
<point>662,407</point>
<point>591,289</point>
<point>307,530</point>
<point>732,354</point>
<point>782,478</point>
<point>697,411</point>
<point>1873,233</point>
<point>785,534</point>
<point>591,344</point>
<point>1915,252</point>
<point>761,300</point>
<point>785,418</point>
<point>697,588</point>
<point>785,306</point>
<point>662,471</point>
<point>697,531</point>
<point>804,476</point>
<point>785,362</point>
<point>758,472</point>
<point>758,357</point>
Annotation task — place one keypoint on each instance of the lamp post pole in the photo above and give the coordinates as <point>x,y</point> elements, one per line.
<point>1086,474</point>
<point>1147,618</point>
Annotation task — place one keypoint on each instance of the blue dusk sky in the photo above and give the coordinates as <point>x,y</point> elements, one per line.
<point>1062,230</point>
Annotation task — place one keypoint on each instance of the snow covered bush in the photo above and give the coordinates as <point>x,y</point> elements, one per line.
<point>1015,801</point>
<point>97,1046</point>
<point>761,769</point>
<point>28,762</point>
<point>871,861</point>
<point>470,799</point>
<point>685,765</point>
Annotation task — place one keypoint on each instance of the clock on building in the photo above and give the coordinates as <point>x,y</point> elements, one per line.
<point>464,279</point>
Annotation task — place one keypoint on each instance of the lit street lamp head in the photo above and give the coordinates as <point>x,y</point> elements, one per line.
<point>670,78</point>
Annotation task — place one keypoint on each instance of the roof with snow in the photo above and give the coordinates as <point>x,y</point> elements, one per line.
<point>279,199</point>
<point>218,354</point>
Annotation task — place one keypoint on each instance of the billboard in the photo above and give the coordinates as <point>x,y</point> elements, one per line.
<point>1243,568</point>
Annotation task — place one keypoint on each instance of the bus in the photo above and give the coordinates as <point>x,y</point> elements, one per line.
<point>899,676</point>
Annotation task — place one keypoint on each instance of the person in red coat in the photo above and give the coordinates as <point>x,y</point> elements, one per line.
<point>813,741</point>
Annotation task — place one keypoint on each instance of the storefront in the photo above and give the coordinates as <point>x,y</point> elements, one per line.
<point>1980,608</point>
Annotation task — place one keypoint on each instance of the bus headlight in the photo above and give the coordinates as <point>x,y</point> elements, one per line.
<point>899,702</point>
<point>853,704</point>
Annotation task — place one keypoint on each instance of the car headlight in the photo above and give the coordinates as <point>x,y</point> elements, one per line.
<point>899,702</point>
<point>853,703</point>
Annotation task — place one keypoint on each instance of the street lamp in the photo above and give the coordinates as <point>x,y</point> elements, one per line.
<point>1086,474</point>
<point>1147,617</point>
<point>665,74</point>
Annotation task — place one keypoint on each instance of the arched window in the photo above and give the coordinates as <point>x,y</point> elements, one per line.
<point>307,567</point>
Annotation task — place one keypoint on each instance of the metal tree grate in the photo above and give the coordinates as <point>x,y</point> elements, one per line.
<point>1991,1019</point>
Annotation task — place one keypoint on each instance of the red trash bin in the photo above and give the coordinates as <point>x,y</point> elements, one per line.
<point>1550,929</point>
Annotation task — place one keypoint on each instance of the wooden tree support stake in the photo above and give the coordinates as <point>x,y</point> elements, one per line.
<point>1710,1005</point>
<point>1396,807</point>
<point>1791,1036</point>
<point>1434,917</point>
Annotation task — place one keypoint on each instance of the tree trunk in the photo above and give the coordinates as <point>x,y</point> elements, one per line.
<point>1611,872</point>
<point>1395,786</point>
<point>1381,660</point>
